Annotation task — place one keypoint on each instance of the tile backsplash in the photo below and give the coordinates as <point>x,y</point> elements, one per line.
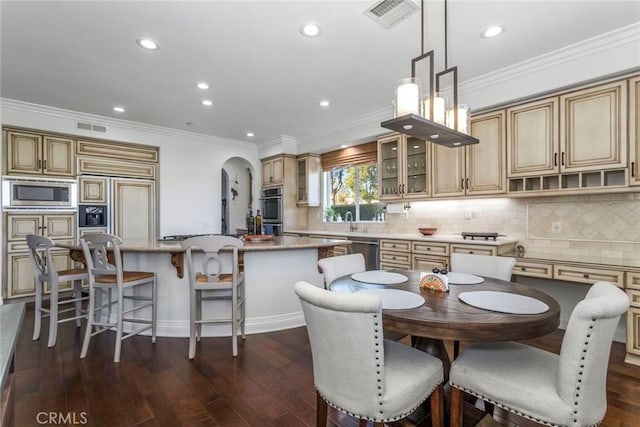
<point>606,224</point>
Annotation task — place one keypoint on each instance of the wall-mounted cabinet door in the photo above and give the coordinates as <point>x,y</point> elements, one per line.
<point>273,172</point>
<point>33,154</point>
<point>308,180</point>
<point>593,128</point>
<point>416,170</point>
<point>403,168</point>
<point>93,190</point>
<point>486,161</point>
<point>447,165</point>
<point>532,138</point>
<point>634,131</point>
<point>390,167</point>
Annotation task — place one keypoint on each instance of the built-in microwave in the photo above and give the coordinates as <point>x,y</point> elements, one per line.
<point>35,193</point>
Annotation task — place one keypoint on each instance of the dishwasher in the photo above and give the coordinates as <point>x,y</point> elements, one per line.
<point>369,248</point>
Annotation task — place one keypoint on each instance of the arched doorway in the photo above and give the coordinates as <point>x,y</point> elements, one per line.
<point>237,195</point>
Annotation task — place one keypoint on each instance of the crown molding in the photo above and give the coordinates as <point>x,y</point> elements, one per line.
<point>628,35</point>
<point>27,107</point>
<point>375,116</point>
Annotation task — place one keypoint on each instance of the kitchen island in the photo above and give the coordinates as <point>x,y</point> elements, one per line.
<point>271,269</point>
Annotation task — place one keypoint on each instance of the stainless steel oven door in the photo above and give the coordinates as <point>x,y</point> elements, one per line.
<point>272,209</point>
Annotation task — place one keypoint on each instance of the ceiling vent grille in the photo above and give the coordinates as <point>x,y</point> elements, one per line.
<point>390,12</point>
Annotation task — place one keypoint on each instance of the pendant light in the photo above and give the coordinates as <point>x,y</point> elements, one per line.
<point>426,119</point>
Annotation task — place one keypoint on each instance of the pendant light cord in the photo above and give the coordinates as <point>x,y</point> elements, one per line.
<point>446,62</point>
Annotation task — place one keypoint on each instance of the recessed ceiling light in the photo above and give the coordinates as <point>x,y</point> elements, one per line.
<point>147,44</point>
<point>324,103</point>
<point>492,31</point>
<point>250,134</point>
<point>118,109</point>
<point>202,85</point>
<point>344,146</point>
<point>207,102</point>
<point>310,30</point>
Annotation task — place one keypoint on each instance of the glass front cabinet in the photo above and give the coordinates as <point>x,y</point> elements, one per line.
<point>403,163</point>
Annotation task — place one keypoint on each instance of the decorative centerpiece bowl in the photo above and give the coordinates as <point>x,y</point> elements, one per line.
<point>427,231</point>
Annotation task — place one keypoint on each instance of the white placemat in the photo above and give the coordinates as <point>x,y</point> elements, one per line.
<point>463,278</point>
<point>380,277</point>
<point>504,302</point>
<point>396,299</point>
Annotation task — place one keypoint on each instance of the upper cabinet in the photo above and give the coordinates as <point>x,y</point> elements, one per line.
<point>475,169</point>
<point>273,171</point>
<point>403,168</point>
<point>574,141</point>
<point>593,131</point>
<point>532,138</point>
<point>634,130</point>
<point>35,154</point>
<point>308,179</point>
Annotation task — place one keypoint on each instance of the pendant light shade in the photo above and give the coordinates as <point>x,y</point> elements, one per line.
<point>425,115</point>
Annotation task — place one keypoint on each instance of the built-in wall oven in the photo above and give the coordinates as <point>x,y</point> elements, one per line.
<point>38,193</point>
<point>271,211</point>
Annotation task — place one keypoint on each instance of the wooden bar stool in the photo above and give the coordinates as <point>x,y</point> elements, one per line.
<point>40,248</point>
<point>106,276</point>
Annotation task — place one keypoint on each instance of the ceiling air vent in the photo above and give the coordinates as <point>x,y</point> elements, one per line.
<point>389,12</point>
<point>84,126</point>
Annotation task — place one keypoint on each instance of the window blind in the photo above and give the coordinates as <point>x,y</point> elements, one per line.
<point>356,155</point>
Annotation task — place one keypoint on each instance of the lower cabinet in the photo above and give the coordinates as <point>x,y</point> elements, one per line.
<point>19,277</point>
<point>427,256</point>
<point>395,254</point>
<point>632,284</point>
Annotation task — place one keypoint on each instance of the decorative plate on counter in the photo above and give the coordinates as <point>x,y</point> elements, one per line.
<point>380,277</point>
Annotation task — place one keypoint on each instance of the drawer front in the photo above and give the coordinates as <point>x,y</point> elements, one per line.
<point>428,263</point>
<point>398,258</point>
<point>425,248</point>
<point>632,280</point>
<point>339,250</point>
<point>394,266</point>
<point>634,298</point>
<point>97,166</point>
<point>587,275</point>
<point>395,245</point>
<point>117,151</point>
<point>533,269</point>
<point>474,249</point>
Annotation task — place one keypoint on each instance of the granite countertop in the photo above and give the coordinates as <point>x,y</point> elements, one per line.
<point>278,243</point>
<point>442,238</point>
<point>11,316</point>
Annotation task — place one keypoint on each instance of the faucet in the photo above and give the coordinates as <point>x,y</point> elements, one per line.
<point>349,217</point>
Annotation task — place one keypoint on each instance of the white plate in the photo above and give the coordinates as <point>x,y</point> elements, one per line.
<point>463,278</point>
<point>380,277</point>
<point>396,299</point>
<point>504,302</point>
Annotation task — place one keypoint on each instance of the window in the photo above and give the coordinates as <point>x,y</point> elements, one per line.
<point>352,189</point>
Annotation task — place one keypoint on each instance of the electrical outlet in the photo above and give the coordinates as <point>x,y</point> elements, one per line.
<point>556,227</point>
<point>468,213</point>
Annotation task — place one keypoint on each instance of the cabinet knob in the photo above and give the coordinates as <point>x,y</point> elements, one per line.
<point>585,275</point>
<point>393,246</point>
<point>428,249</point>
<point>523,268</point>
<point>393,257</point>
<point>470,252</point>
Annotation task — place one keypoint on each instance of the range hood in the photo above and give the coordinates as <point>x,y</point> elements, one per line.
<point>424,129</point>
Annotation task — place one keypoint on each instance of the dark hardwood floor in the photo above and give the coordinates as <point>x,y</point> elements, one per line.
<point>270,383</point>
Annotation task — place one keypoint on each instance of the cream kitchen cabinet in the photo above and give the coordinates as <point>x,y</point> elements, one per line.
<point>134,209</point>
<point>308,180</point>
<point>93,190</point>
<point>35,154</point>
<point>425,256</point>
<point>634,131</point>
<point>273,171</point>
<point>477,169</point>
<point>403,168</point>
<point>116,168</point>
<point>115,150</point>
<point>19,275</point>
<point>395,254</point>
<point>632,285</point>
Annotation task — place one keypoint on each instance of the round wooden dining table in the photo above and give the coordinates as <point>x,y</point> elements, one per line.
<point>444,317</point>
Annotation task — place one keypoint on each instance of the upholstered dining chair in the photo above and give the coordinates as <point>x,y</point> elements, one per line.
<point>41,254</point>
<point>359,372</point>
<point>104,275</point>
<point>556,390</point>
<point>224,282</point>
<point>338,266</point>
<point>495,267</point>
